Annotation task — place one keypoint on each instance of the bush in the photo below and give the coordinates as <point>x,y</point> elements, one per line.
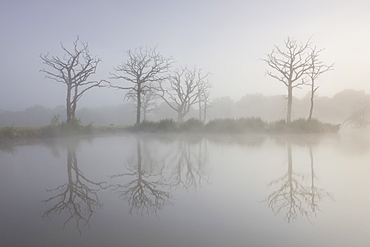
<point>192,124</point>
<point>8,131</point>
<point>303,126</point>
<point>167,125</point>
<point>236,126</point>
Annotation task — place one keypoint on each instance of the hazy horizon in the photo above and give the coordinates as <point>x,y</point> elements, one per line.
<point>226,39</point>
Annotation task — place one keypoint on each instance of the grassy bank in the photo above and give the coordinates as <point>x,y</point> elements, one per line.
<point>242,125</point>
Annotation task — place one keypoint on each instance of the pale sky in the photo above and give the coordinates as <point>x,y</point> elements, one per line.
<point>227,38</point>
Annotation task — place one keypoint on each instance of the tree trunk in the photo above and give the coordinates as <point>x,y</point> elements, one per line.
<point>312,96</point>
<point>290,100</point>
<point>138,109</point>
<point>200,111</point>
<point>69,106</point>
<point>204,113</point>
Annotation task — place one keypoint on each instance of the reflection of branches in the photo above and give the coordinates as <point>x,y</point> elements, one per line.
<point>290,196</point>
<point>294,197</point>
<point>144,193</point>
<point>316,194</point>
<point>188,166</point>
<point>78,197</point>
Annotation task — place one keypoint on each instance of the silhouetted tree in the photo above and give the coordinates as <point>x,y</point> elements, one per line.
<point>183,90</point>
<point>143,69</point>
<point>291,65</point>
<point>316,69</point>
<point>73,70</point>
<point>204,101</point>
<point>359,116</point>
<point>148,101</point>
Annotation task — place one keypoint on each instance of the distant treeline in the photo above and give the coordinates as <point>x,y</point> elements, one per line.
<point>347,107</point>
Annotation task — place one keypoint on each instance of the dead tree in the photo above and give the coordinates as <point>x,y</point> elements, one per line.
<point>74,70</point>
<point>183,90</point>
<point>291,65</point>
<point>148,100</point>
<point>204,101</point>
<point>317,68</point>
<point>143,69</point>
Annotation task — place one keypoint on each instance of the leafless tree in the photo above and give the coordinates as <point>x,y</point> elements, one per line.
<point>148,100</point>
<point>317,68</point>
<point>73,70</point>
<point>291,65</point>
<point>78,197</point>
<point>204,100</point>
<point>183,90</point>
<point>143,69</point>
<point>359,116</point>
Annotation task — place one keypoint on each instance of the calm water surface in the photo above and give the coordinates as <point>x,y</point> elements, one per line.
<point>137,190</point>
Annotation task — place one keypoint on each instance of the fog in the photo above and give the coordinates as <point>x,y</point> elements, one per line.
<point>268,108</point>
<point>228,39</point>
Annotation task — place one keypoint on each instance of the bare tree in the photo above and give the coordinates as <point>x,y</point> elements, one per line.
<point>317,68</point>
<point>291,65</point>
<point>183,90</point>
<point>73,70</point>
<point>143,67</point>
<point>359,116</point>
<point>204,101</point>
<point>148,100</point>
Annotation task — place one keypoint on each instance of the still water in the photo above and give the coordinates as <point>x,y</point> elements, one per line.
<point>152,190</point>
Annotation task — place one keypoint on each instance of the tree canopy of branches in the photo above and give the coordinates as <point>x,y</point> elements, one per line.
<point>73,70</point>
<point>291,65</point>
<point>317,67</point>
<point>184,89</point>
<point>143,69</point>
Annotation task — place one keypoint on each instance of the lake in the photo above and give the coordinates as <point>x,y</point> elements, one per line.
<point>188,190</point>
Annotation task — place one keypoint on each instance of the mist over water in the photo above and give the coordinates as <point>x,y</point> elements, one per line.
<point>177,190</point>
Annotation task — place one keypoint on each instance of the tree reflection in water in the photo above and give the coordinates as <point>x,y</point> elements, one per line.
<point>147,192</point>
<point>154,179</point>
<point>78,197</point>
<point>188,164</point>
<point>293,196</point>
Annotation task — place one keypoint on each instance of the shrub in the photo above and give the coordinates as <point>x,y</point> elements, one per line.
<point>192,124</point>
<point>236,126</point>
<point>167,125</point>
<point>8,131</point>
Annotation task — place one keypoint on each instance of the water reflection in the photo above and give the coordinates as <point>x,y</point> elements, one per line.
<point>78,197</point>
<point>155,175</point>
<point>187,163</point>
<point>148,190</point>
<point>292,195</point>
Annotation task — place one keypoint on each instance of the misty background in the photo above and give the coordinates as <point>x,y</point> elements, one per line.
<point>228,39</point>
<point>337,110</point>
